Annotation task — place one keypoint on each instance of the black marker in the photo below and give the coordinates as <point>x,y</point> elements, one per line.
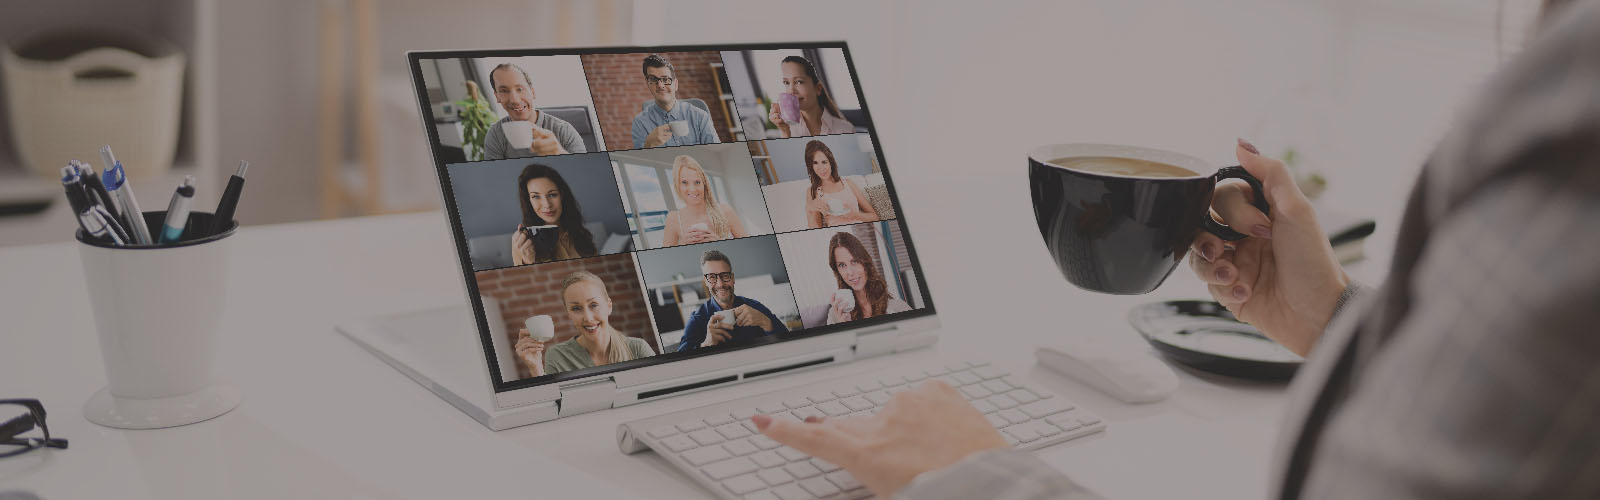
<point>230,200</point>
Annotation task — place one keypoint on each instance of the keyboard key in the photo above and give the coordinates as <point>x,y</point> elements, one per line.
<point>1022,396</point>
<point>762,495</point>
<point>984,406</point>
<point>879,398</point>
<point>892,381</point>
<point>845,392</point>
<point>1003,402</point>
<point>750,426</point>
<point>989,372</point>
<point>802,469</point>
<point>1040,409</point>
<point>764,442</point>
<point>679,443</point>
<point>975,391</point>
<point>663,431</point>
<point>997,421</point>
<point>819,486</point>
<point>856,403</point>
<point>768,459</point>
<point>869,386</point>
<point>772,408</point>
<point>733,431</point>
<point>719,419</point>
<point>729,468</point>
<point>775,477</point>
<point>744,484</point>
<point>706,455</point>
<point>1022,433</point>
<point>821,397</point>
<point>809,411</point>
<point>1013,416</point>
<point>916,376</point>
<point>706,437</point>
<point>792,454</point>
<point>691,425</point>
<point>956,366</point>
<point>966,378</point>
<point>843,480</point>
<point>997,386</point>
<point>1045,429</point>
<point>744,413</point>
<point>1066,421</point>
<point>936,370</point>
<point>948,380</point>
<point>833,408</point>
<point>797,403</point>
<point>824,465</point>
<point>792,492</point>
<point>1087,419</point>
<point>740,447</point>
<point>1010,440</point>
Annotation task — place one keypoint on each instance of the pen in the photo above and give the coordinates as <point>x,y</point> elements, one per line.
<point>178,211</point>
<point>116,181</point>
<point>97,190</point>
<point>230,200</point>
<point>73,184</point>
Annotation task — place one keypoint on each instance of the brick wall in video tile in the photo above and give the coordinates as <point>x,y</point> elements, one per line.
<point>530,290</point>
<point>617,83</point>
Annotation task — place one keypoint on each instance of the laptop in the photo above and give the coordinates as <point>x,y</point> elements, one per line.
<point>591,192</point>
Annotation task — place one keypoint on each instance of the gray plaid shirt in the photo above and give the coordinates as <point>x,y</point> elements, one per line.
<point>1475,371</point>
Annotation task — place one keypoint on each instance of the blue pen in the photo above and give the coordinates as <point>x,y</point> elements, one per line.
<point>116,182</point>
<point>178,212</point>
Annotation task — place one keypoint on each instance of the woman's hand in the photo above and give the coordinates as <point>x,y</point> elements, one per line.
<point>530,351</point>
<point>697,235</point>
<point>920,430</point>
<point>818,205</point>
<point>776,117</point>
<point>836,313</point>
<point>1284,279</point>
<point>521,248</point>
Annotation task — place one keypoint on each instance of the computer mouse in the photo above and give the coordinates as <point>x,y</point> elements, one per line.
<point>1129,376</point>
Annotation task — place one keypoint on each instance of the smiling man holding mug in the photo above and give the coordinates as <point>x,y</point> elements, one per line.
<point>525,131</point>
<point>1471,374</point>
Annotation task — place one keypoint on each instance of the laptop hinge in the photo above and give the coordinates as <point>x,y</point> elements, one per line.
<point>586,397</point>
<point>877,342</point>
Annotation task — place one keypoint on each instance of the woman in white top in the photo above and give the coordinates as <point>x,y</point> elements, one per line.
<point>819,114</point>
<point>702,218</point>
<point>853,269</point>
<point>832,200</point>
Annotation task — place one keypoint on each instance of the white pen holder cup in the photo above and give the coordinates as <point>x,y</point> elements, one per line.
<point>158,311</point>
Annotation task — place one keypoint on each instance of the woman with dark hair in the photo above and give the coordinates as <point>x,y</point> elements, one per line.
<point>853,269</point>
<point>547,201</point>
<point>832,200</point>
<point>819,113</point>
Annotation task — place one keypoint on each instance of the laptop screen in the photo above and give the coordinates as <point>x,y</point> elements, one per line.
<point>614,208</point>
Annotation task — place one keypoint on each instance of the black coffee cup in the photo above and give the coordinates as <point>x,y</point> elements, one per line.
<point>544,239</point>
<point>1123,233</point>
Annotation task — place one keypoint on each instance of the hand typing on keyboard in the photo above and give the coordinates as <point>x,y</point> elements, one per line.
<point>919,430</point>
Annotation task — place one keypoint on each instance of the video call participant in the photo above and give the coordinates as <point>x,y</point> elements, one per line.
<point>702,219</point>
<point>828,190</point>
<point>546,200</point>
<point>588,307</point>
<point>852,267</point>
<point>818,112</point>
<point>551,136</point>
<point>751,319</point>
<point>652,127</point>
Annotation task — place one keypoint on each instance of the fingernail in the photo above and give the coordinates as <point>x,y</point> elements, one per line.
<point>1248,146</point>
<point>1208,253</point>
<point>1224,274</point>
<point>1261,230</point>
<point>1239,293</point>
<point>813,419</point>
<point>762,421</point>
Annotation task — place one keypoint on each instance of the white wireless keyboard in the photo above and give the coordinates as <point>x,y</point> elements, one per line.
<point>718,446</point>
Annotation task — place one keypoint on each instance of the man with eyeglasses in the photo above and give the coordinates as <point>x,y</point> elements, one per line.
<point>652,127</point>
<point>750,318</point>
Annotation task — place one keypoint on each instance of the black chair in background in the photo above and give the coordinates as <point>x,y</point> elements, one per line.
<point>578,116</point>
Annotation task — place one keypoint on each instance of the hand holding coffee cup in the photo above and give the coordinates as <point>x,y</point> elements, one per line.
<point>719,328</point>
<point>680,128</point>
<point>700,233</point>
<point>519,134</point>
<point>545,143</point>
<point>541,328</point>
<point>1118,219</point>
<point>659,135</point>
<point>530,352</point>
<point>835,207</point>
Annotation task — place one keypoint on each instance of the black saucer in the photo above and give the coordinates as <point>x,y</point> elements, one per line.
<point>1205,336</point>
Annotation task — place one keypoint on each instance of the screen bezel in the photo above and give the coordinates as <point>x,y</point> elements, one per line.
<point>453,216</point>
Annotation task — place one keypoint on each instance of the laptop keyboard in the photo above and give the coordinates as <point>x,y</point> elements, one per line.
<point>721,449</point>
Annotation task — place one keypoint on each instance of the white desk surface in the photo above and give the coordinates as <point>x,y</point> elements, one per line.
<point>322,418</point>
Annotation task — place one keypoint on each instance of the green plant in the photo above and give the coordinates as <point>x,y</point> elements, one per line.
<point>476,118</point>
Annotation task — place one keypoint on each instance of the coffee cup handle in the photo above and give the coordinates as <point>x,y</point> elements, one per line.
<point>1236,172</point>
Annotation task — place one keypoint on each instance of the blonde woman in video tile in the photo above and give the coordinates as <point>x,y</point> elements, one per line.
<point>819,113</point>
<point>702,217</point>
<point>852,267</point>
<point>588,307</point>
<point>832,200</point>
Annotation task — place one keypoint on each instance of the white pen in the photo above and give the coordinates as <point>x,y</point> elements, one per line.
<point>116,182</point>
<point>178,211</point>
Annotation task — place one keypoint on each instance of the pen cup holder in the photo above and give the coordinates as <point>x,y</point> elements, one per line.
<point>158,311</point>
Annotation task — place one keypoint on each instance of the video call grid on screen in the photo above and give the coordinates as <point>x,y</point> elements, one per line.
<point>600,137</point>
